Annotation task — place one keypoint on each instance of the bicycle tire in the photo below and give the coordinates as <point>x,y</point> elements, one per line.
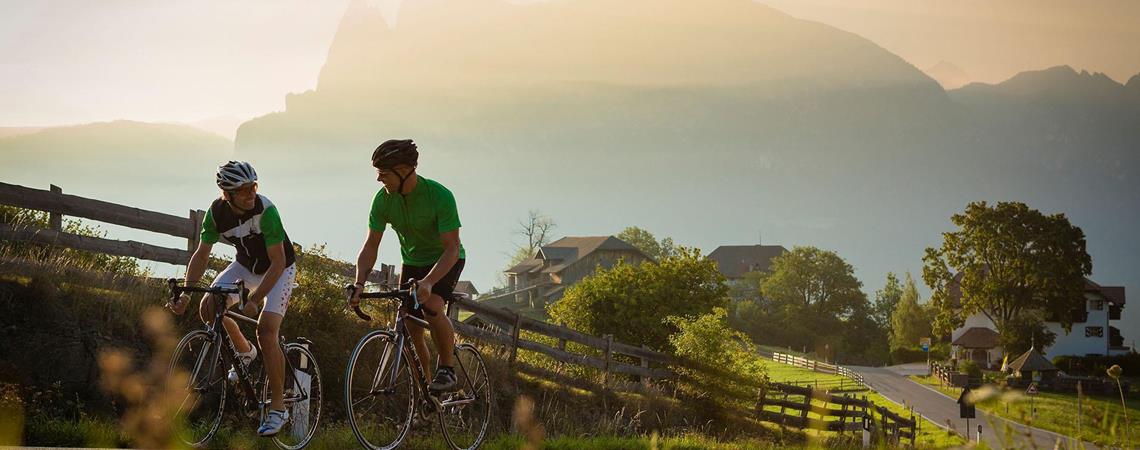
<point>465,413</point>
<point>197,425</point>
<point>304,416</point>
<point>381,420</point>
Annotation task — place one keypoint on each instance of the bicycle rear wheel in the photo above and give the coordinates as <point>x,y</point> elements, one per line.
<point>303,398</point>
<point>196,379</point>
<point>379,392</point>
<point>465,413</point>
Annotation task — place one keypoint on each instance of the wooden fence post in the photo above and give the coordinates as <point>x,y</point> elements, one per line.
<point>196,218</point>
<point>644,365</point>
<point>56,219</point>
<point>609,356</point>
<point>515,340</point>
<point>562,340</point>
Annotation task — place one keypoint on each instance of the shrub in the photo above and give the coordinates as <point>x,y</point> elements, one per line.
<point>971,368</point>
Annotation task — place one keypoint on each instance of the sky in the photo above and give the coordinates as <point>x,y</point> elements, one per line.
<point>68,62</point>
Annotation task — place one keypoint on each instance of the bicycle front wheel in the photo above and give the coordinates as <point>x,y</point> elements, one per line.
<point>379,392</point>
<point>303,397</point>
<point>465,413</point>
<point>196,382</point>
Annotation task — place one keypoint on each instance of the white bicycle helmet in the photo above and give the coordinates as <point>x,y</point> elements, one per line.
<point>235,174</point>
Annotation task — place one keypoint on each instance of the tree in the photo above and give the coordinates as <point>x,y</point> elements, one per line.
<point>536,229</point>
<point>813,295</point>
<point>1004,260</point>
<point>1024,331</point>
<point>647,243</point>
<point>885,301</point>
<point>632,301</point>
<point>910,322</point>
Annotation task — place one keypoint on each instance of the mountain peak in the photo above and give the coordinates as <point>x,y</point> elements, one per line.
<point>948,75</point>
<point>1057,83</point>
<point>632,42</point>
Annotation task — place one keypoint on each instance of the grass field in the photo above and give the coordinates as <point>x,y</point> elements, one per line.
<point>1102,421</point>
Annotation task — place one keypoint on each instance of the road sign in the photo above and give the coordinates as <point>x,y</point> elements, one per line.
<point>1032,389</point>
<point>925,342</point>
<point>965,406</point>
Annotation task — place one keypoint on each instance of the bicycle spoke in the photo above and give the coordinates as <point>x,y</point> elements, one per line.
<point>380,407</point>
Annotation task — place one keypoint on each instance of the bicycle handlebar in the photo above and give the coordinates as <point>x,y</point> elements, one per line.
<point>178,287</point>
<point>398,294</point>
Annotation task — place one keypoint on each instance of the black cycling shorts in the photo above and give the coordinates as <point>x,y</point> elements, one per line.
<point>444,288</point>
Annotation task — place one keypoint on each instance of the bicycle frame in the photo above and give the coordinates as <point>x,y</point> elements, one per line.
<point>223,346</point>
<point>404,344</point>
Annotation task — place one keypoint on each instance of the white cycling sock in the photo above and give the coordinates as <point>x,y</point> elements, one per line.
<point>249,356</point>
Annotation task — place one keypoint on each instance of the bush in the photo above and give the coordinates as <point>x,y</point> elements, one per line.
<point>970,368</point>
<point>1097,365</point>
<point>709,340</point>
<point>631,301</point>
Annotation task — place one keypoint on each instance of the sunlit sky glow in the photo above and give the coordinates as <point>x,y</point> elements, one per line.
<point>75,62</point>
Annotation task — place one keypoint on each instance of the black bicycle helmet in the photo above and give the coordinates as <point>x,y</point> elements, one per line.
<point>394,152</point>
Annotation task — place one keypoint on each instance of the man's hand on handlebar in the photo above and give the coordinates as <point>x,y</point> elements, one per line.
<point>353,291</point>
<point>178,305</point>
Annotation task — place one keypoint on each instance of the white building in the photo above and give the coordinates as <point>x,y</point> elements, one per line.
<point>1092,332</point>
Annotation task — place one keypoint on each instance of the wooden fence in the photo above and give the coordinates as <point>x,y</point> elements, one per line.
<point>57,204</point>
<point>612,357</point>
<point>652,364</point>
<point>950,377</point>
<point>806,408</point>
<point>857,381</point>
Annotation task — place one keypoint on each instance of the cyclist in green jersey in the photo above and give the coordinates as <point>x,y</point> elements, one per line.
<point>426,221</point>
<point>265,262</point>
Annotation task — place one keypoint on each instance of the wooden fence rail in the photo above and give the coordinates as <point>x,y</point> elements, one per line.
<point>798,404</point>
<point>57,204</point>
<point>834,369</point>
<point>607,346</point>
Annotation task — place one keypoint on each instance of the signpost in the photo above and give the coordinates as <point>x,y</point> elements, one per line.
<point>925,343</point>
<point>966,409</point>
<point>1032,392</point>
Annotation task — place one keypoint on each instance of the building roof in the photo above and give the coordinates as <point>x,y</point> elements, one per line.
<point>977,337</point>
<point>736,260</point>
<point>466,287</point>
<point>1114,294</point>
<point>527,265</point>
<point>1031,361</point>
<point>564,252</point>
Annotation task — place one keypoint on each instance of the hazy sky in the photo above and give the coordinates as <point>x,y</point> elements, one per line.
<point>991,40</point>
<point>65,62</point>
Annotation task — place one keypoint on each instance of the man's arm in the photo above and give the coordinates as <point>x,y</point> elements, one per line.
<point>198,262</point>
<point>269,279</point>
<point>194,270</point>
<point>446,261</point>
<point>366,259</point>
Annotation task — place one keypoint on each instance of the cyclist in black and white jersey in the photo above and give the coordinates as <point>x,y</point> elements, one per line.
<point>265,262</point>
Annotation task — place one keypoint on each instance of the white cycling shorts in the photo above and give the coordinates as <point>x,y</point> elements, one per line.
<point>277,301</point>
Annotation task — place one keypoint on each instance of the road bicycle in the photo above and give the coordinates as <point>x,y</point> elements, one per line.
<point>206,356</point>
<point>386,388</point>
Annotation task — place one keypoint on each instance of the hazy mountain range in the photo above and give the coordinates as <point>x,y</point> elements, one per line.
<point>711,123</point>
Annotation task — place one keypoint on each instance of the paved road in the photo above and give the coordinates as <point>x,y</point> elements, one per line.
<point>940,409</point>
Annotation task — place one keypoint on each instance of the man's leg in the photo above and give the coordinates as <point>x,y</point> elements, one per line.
<point>442,333</point>
<point>268,326</point>
<point>417,335</point>
<point>206,312</point>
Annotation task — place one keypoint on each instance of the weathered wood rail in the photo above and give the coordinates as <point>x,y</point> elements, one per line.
<point>834,369</point>
<point>806,408</point>
<point>653,365</point>
<point>57,204</point>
